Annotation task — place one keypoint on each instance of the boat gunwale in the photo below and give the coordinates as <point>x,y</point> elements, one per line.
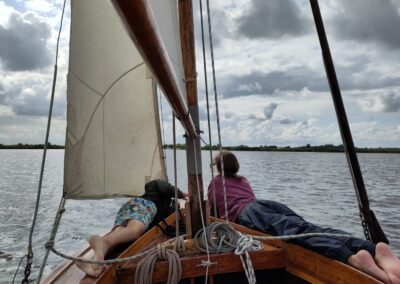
<point>298,261</point>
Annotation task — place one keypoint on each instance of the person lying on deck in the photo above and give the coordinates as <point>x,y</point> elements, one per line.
<point>277,219</point>
<point>132,220</point>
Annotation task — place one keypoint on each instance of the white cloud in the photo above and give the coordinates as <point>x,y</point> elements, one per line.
<point>43,6</point>
<point>263,68</point>
<point>384,102</point>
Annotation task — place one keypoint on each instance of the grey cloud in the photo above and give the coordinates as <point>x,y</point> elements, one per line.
<point>285,121</point>
<point>23,45</point>
<point>390,102</point>
<point>269,110</point>
<point>203,114</point>
<point>2,94</point>
<point>272,19</point>
<point>34,104</point>
<point>228,115</point>
<point>218,26</point>
<point>252,116</point>
<point>369,21</point>
<point>266,83</point>
<point>351,77</point>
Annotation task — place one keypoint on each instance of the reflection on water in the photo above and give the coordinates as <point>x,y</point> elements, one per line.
<point>316,185</point>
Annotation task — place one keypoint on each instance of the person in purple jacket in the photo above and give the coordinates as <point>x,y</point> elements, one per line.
<point>277,219</point>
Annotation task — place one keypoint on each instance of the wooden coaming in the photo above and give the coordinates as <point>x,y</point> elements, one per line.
<point>268,258</point>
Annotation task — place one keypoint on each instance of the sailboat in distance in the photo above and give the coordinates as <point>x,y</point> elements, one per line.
<point>121,52</point>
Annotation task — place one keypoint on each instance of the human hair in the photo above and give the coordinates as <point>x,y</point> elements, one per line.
<point>231,164</point>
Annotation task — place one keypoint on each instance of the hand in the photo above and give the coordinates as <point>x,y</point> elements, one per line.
<point>186,196</point>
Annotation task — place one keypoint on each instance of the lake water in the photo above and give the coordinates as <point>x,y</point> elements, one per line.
<point>316,185</point>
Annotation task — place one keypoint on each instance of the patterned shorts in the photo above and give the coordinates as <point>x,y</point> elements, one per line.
<point>137,208</point>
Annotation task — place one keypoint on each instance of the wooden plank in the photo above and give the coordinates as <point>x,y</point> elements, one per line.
<point>108,276</point>
<point>316,268</point>
<point>68,271</point>
<point>268,258</point>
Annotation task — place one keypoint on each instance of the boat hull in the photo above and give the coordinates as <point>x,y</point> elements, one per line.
<point>277,262</point>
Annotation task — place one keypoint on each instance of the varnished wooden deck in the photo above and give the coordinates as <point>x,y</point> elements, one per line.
<point>295,260</point>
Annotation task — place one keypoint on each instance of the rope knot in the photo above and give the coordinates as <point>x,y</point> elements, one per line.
<point>179,245</point>
<point>247,243</point>
<point>206,263</point>
<point>49,244</point>
<point>161,252</point>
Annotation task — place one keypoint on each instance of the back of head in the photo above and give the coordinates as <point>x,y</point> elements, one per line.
<point>230,164</point>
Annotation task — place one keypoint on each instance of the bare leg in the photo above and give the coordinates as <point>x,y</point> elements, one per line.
<point>102,245</point>
<point>365,262</point>
<point>388,261</point>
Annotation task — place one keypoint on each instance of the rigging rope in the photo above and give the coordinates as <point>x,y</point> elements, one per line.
<point>178,243</point>
<point>216,108</point>
<point>201,209</point>
<point>207,101</point>
<point>29,255</point>
<point>162,128</point>
<point>56,224</point>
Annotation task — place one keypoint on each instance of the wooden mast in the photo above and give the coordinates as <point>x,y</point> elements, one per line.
<point>141,26</point>
<point>139,20</point>
<point>193,149</point>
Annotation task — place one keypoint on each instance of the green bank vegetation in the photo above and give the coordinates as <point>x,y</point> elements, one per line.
<point>270,148</point>
<point>306,148</point>
<point>31,146</point>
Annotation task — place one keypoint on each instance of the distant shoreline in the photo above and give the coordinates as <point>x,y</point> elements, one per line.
<point>21,146</point>
<point>307,148</point>
<point>263,148</point>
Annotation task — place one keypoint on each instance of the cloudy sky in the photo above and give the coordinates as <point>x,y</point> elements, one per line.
<point>270,78</point>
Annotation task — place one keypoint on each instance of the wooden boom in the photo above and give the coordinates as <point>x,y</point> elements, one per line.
<point>138,19</point>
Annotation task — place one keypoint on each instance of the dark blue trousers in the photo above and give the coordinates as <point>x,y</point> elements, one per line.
<point>277,219</point>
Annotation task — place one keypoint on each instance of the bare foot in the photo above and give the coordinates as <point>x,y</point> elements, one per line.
<point>388,261</point>
<point>364,262</point>
<point>90,269</point>
<point>99,247</point>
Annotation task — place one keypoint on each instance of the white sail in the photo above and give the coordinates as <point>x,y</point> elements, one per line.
<point>166,15</point>
<point>113,144</point>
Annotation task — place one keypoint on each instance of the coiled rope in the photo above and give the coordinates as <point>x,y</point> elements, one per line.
<point>218,237</point>
<point>222,237</point>
<point>144,269</point>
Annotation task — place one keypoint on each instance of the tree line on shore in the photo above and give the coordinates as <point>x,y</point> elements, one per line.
<point>31,146</point>
<point>305,148</point>
<point>271,148</point>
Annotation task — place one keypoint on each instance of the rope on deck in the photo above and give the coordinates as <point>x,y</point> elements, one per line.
<point>50,245</point>
<point>300,236</point>
<point>218,237</point>
<point>144,269</point>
